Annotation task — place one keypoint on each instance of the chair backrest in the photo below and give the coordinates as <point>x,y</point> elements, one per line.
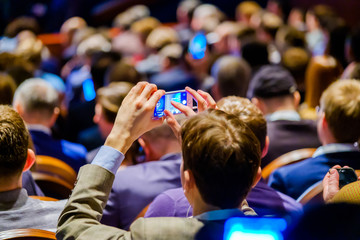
<point>53,186</point>
<point>286,159</point>
<point>27,234</point>
<point>43,198</point>
<point>142,213</point>
<point>313,194</point>
<point>56,168</point>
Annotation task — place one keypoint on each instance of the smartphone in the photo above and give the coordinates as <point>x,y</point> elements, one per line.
<point>197,46</point>
<point>346,176</point>
<point>165,102</point>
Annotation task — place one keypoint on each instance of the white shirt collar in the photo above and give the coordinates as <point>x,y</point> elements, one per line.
<point>335,147</point>
<point>290,115</point>
<point>39,127</point>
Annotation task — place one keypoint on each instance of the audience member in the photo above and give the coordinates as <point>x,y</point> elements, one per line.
<point>37,102</point>
<point>173,76</point>
<point>7,89</point>
<point>263,199</point>
<point>245,10</point>
<point>17,210</point>
<point>338,130</point>
<point>136,186</point>
<point>275,94</point>
<point>231,75</point>
<point>219,167</point>
<point>108,102</point>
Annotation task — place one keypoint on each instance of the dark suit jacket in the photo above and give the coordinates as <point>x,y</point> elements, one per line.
<point>71,153</point>
<point>286,136</point>
<point>294,179</point>
<point>82,213</point>
<point>29,184</point>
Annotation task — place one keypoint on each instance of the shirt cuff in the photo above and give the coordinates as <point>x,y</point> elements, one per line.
<point>108,158</point>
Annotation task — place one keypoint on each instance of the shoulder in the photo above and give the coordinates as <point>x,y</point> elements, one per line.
<point>173,228</point>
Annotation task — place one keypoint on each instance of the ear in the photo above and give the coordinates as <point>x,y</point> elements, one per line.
<point>54,116</point>
<point>258,103</point>
<point>297,99</point>
<point>30,160</point>
<point>266,147</point>
<point>257,178</point>
<point>18,108</point>
<point>189,181</point>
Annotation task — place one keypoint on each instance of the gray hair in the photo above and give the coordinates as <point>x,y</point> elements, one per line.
<point>36,95</point>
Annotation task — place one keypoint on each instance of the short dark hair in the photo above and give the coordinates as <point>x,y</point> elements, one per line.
<point>248,113</point>
<point>14,139</point>
<point>223,154</point>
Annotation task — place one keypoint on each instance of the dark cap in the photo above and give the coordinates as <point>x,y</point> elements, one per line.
<point>272,81</point>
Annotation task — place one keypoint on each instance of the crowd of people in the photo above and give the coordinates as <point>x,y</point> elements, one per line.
<point>267,83</point>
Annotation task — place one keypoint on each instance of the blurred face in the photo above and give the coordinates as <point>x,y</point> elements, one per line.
<point>104,126</point>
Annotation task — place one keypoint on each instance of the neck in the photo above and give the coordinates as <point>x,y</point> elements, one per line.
<point>11,183</point>
<point>200,207</point>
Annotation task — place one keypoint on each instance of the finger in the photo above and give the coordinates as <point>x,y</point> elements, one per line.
<point>155,98</point>
<point>336,166</point>
<point>173,124</point>
<point>184,109</point>
<point>148,90</point>
<point>210,101</point>
<point>137,89</point>
<point>202,104</point>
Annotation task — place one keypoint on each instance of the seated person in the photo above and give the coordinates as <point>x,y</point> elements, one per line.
<point>221,158</point>
<point>338,128</point>
<point>136,186</point>
<point>37,102</point>
<point>17,210</point>
<point>274,93</point>
<point>262,198</point>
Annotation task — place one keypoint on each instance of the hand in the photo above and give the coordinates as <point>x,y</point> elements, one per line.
<point>204,101</point>
<point>134,117</point>
<point>331,184</point>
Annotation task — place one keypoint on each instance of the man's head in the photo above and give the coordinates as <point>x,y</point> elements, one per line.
<point>274,89</point>
<point>14,153</point>
<point>340,113</point>
<point>221,158</point>
<point>159,142</point>
<point>249,114</point>
<point>109,99</point>
<point>37,102</point>
<point>232,76</point>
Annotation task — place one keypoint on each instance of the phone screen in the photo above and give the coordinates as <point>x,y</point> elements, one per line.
<point>197,46</point>
<point>165,103</point>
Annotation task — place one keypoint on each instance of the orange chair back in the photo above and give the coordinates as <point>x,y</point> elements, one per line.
<point>27,234</point>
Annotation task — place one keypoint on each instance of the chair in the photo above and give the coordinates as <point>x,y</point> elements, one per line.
<point>53,187</point>
<point>43,198</point>
<point>56,168</point>
<point>313,194</point>
<point>27,234</point>
<point>286,159</point>
<point>142,213</point>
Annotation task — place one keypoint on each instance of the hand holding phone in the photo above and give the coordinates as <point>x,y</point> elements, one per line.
<point>181,97</point>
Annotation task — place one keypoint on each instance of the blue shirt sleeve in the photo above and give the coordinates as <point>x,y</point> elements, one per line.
<point>109,158</point>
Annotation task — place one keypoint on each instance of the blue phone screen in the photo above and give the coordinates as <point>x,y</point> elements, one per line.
<point>197,46</point>
<point>165,103</point>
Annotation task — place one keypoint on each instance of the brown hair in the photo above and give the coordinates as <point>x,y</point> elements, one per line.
<point>122,71</point>
<point>14,139</point>
<point>7,89</point>
<point>247,112</point>
<point>321,72</point>
<point>111,97</point>
<point>341,105</point>
<point>223,154</point>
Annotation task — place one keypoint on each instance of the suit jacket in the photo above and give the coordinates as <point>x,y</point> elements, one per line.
<point>136,186</point>
<point>82,213</point>
<point>30,185</point>
<point>294,179</point>
<point>286,136</point>
<point>71,153</point>
<point>17,210</point>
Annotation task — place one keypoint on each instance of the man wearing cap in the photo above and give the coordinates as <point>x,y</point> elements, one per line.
<point>274,92</point>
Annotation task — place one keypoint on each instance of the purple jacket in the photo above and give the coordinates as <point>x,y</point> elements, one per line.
<point>262,198</point>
